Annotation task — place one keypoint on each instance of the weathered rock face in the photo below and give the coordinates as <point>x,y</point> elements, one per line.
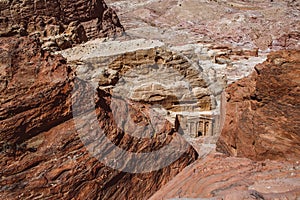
<point>262,111</point>
<point>231,178</point>
<point>61,23</point>
<point>51,135</point>
<point>182,80</point>
<point>33,83</point>
<point>42,152</point>
<point>158,76</point>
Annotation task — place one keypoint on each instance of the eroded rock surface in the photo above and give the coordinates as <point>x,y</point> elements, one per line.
<point>185,79</point>
<point>59,24</point>
<point>218,177</point>
<point>42,151</point>
<point>33,83</point>
<point>262,111</point>
<point>55,110</point>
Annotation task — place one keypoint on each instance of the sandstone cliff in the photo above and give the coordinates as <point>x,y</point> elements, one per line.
<point>45,147</point>
<point>51,135</point>
<point>262,125</point>
<point>43,155</point>
<point>262,111</point>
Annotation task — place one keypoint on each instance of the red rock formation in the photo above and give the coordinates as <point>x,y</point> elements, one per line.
<point>262,111</point>
<point>52,18</point>
<point>261,123</point>
<point>41,152</point>
<point>33,83</point>
<point>218,177</point>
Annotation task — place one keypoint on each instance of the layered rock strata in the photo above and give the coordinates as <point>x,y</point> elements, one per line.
<point>218,177</point>
<point>262,111</point>
<point>43,153</point>
<point>179,80</point>
<point>55,111</point>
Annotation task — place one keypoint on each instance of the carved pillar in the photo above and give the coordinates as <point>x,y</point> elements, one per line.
<point>206,128</point>
<point>200,128</point>
<point>196,129</point>
<point>191,128</point>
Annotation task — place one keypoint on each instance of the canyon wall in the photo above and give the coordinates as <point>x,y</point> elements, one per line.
<point>42,152</point>
<point>58,98</point>
<point>262,111</point>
